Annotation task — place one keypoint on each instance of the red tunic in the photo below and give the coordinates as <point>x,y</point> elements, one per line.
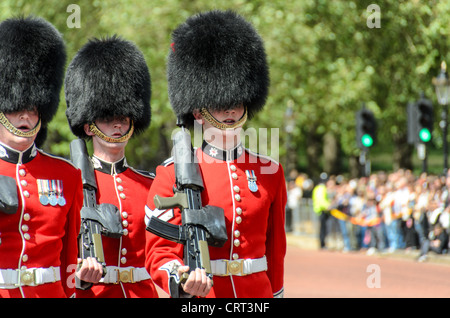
<point>38,235</point>
<point>127,189</point>
<point>254,220</point>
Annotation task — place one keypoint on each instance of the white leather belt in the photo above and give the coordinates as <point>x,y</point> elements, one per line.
<point>13,278</point>
<point>239,267</point>
<point>115,275</point>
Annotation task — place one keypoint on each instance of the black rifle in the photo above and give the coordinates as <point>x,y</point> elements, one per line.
<point>95,220</point>
<point>200,225</point>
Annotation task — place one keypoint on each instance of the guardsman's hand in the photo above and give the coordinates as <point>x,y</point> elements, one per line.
<point>197,284</point>
<point>90,271</point>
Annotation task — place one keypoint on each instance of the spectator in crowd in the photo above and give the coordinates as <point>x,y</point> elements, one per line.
<point>357,205</point>
<point>387,212</point>
<point>399,207</point>
<point>321,205</point>
<point>374,238</point>
<point>420,210</point>
<point>438,242</point>
<point>294,195</point>
<point>344,195</point>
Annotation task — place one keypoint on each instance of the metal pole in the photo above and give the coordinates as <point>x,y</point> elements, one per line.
<point>365,162</point>
<point>444,137</point>
<point>422,155</point>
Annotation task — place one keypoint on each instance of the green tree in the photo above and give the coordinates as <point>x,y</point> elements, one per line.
<point>325,61</point>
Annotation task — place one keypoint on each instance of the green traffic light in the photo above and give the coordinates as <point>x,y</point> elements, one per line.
<point>366,140</point>
<point>425,135</point>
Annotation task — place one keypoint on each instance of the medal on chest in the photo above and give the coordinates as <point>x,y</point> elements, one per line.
<point>251,177</point>
<point>51,192</point>
<point>59,187</point>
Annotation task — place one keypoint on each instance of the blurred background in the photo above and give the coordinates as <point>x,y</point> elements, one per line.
<point>328,60</point>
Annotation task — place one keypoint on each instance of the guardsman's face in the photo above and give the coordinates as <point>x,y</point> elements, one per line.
<point>222,138</point>
<point>228,117</point>
<point>25,121</point>
<point>112,127</point>
<point>115,127</point>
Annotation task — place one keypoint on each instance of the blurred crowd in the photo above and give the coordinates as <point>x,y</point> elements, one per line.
<point>381,213</point>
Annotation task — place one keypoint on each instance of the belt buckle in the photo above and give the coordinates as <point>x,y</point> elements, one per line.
<point>26,277</point>
<point>235,267</point>
<point>125,276</point>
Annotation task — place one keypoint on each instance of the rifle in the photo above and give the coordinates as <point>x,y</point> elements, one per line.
<point>200,225</point>
<point>95,220</point>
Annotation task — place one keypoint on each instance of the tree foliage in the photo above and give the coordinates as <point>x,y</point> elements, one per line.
<point>325,61</point>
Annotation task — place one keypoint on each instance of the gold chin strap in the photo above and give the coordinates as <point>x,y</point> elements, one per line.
<point>12,129</point>
<point>214,122</point>
<point>101,135</point>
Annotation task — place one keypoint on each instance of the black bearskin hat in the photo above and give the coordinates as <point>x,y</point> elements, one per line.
<point>108,77</point>
<point>32,60</point>
<point>216,60</point>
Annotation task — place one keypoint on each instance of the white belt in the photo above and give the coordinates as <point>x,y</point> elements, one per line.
<point>13,278</point>
<point>239,267</point>
<point>115,275</point>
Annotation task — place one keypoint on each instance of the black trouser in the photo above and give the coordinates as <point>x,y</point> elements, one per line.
<point>426,247</point>
<point>323,219</point>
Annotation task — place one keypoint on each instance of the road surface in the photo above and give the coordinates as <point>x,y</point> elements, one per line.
<point>330,274</point>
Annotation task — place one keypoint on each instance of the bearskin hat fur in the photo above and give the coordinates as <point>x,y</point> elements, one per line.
<point>32,60</point>
<point>108,77</point>
<point>216,60</point>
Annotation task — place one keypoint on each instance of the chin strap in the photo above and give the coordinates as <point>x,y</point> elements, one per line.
<point>12,129</point>
<point>101,135</point>
<point>214,122</point>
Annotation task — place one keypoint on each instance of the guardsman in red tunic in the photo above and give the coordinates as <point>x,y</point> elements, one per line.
<point>41,195</point>
<point>218,77</point>
<point>108,94</point>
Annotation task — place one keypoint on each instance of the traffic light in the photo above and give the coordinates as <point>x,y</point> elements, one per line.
<point>424,119</point>
<point>366,128</point>
<point>420,121</point>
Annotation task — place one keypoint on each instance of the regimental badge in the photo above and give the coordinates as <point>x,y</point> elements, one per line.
<point>251,177</point>
<point>51,192</point>
<point>213,152</point>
